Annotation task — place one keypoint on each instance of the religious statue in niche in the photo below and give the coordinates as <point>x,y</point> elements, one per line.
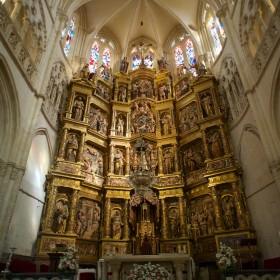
<point>105,72</point>
<point>142,118</point>
<point>120,124</point>
<point>182,88</point>
<point>61,215</point>
<point>194,158</point>
<point>168,161</point>
<point>188,117</point>
<point>163,91</point>
<point>124,65</point>
<point>200,68</point>
<point>98,120</point>
<point>78,108</point>
<point>87,219</point>
<point>229,212</point>
<point>119,162</point>
<point>122,93</point>
<point>207,104</point>
<point>85,73</point>
<point>162,64</point>
<point>174,222</point>
<point>215,144</point>
<point>142,89</point>
<point>103,91</point>
<point>93,160</point>
<point>72,145</point>
<point>182,70</point>
<point>116,223</point>
<point>166,123</point>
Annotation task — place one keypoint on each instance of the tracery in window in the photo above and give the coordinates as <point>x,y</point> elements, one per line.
<point>106,57</point>
<point>94,55</point>
<point>148,61</point>
<point>179,57</point>
<point>70,35</point>
<point>136,61</point>
<point>213,25</point>
<point>190,55</point>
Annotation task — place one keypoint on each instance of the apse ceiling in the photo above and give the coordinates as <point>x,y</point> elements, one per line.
<point>129,20</point>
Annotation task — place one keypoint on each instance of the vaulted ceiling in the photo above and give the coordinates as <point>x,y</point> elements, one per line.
<point>129,20</point>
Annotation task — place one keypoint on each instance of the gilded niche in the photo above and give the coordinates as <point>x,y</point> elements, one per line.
<point>92,160</point>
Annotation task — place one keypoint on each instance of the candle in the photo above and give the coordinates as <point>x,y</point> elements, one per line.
<point>185,249</point>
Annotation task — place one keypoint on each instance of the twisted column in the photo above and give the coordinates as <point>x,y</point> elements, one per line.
<point>72,212</point>
<point>164,221</point>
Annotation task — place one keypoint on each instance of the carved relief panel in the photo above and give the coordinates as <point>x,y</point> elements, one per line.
<point>103,91</point>
<point>98,119</point>
<point>202,216</point>
<point>92,159</point>
<point>193,156</point>
<point>87,219</point>
<point>142,88</point>
<point>188,117</point>
<point>142,117</point>
<point>182,88</point>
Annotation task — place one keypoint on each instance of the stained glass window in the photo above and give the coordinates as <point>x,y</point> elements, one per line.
<point>106,57</point>
<point>148,61</point>
<point>136,61</point>
<point>94,55</point>
<point>70,35</point>
<point>190,53</point>
<point>179,57</point>
<point>213,30</point>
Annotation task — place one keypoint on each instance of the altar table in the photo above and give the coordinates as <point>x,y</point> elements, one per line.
<point>179,262</point>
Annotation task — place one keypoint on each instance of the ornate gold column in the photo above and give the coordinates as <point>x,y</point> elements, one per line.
<point>204,140</point>
<point>47,225</point>
<point>111,166</point>
<point>107,218</point>
<point>164,221</point>
<point>72,212</point>
<point>160,169</point>
<point>240,210</point>
<point>81,147</point>
<point>176,158</point>
<point>63,143</point>
<point>216,208</point>
<point>182,216</point>
<point>224,140</point>
<point>127,161</point>
<point>125,222</point>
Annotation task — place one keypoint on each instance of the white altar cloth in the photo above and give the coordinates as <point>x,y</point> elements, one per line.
<point>180,262</point>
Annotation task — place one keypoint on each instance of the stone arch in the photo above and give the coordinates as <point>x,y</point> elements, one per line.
<point>275,103</point>
<point>9,110</point>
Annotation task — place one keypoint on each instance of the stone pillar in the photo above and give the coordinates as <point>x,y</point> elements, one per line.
<point>205,145</point>
<point>164,221</point>
<point>81,147</point>
<point>240,209</point>
<point>111,166</point>
<point>125,221</point>
<point>182,216</point>
<point>72,212</point>
<point>160,169</point>
<point>224,140</point>
<point>63,138</point>
<point>107,219</point>
<point>179,267</point>
<point>176,160</point>
<point>127,161</point>
<point>216,208</point>
<point>115,267</point>
<point>47,226</point>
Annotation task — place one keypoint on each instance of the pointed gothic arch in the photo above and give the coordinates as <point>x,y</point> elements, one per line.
<point>9,110</point>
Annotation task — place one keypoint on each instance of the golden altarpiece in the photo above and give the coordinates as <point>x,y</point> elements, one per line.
<point>144,166</point>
